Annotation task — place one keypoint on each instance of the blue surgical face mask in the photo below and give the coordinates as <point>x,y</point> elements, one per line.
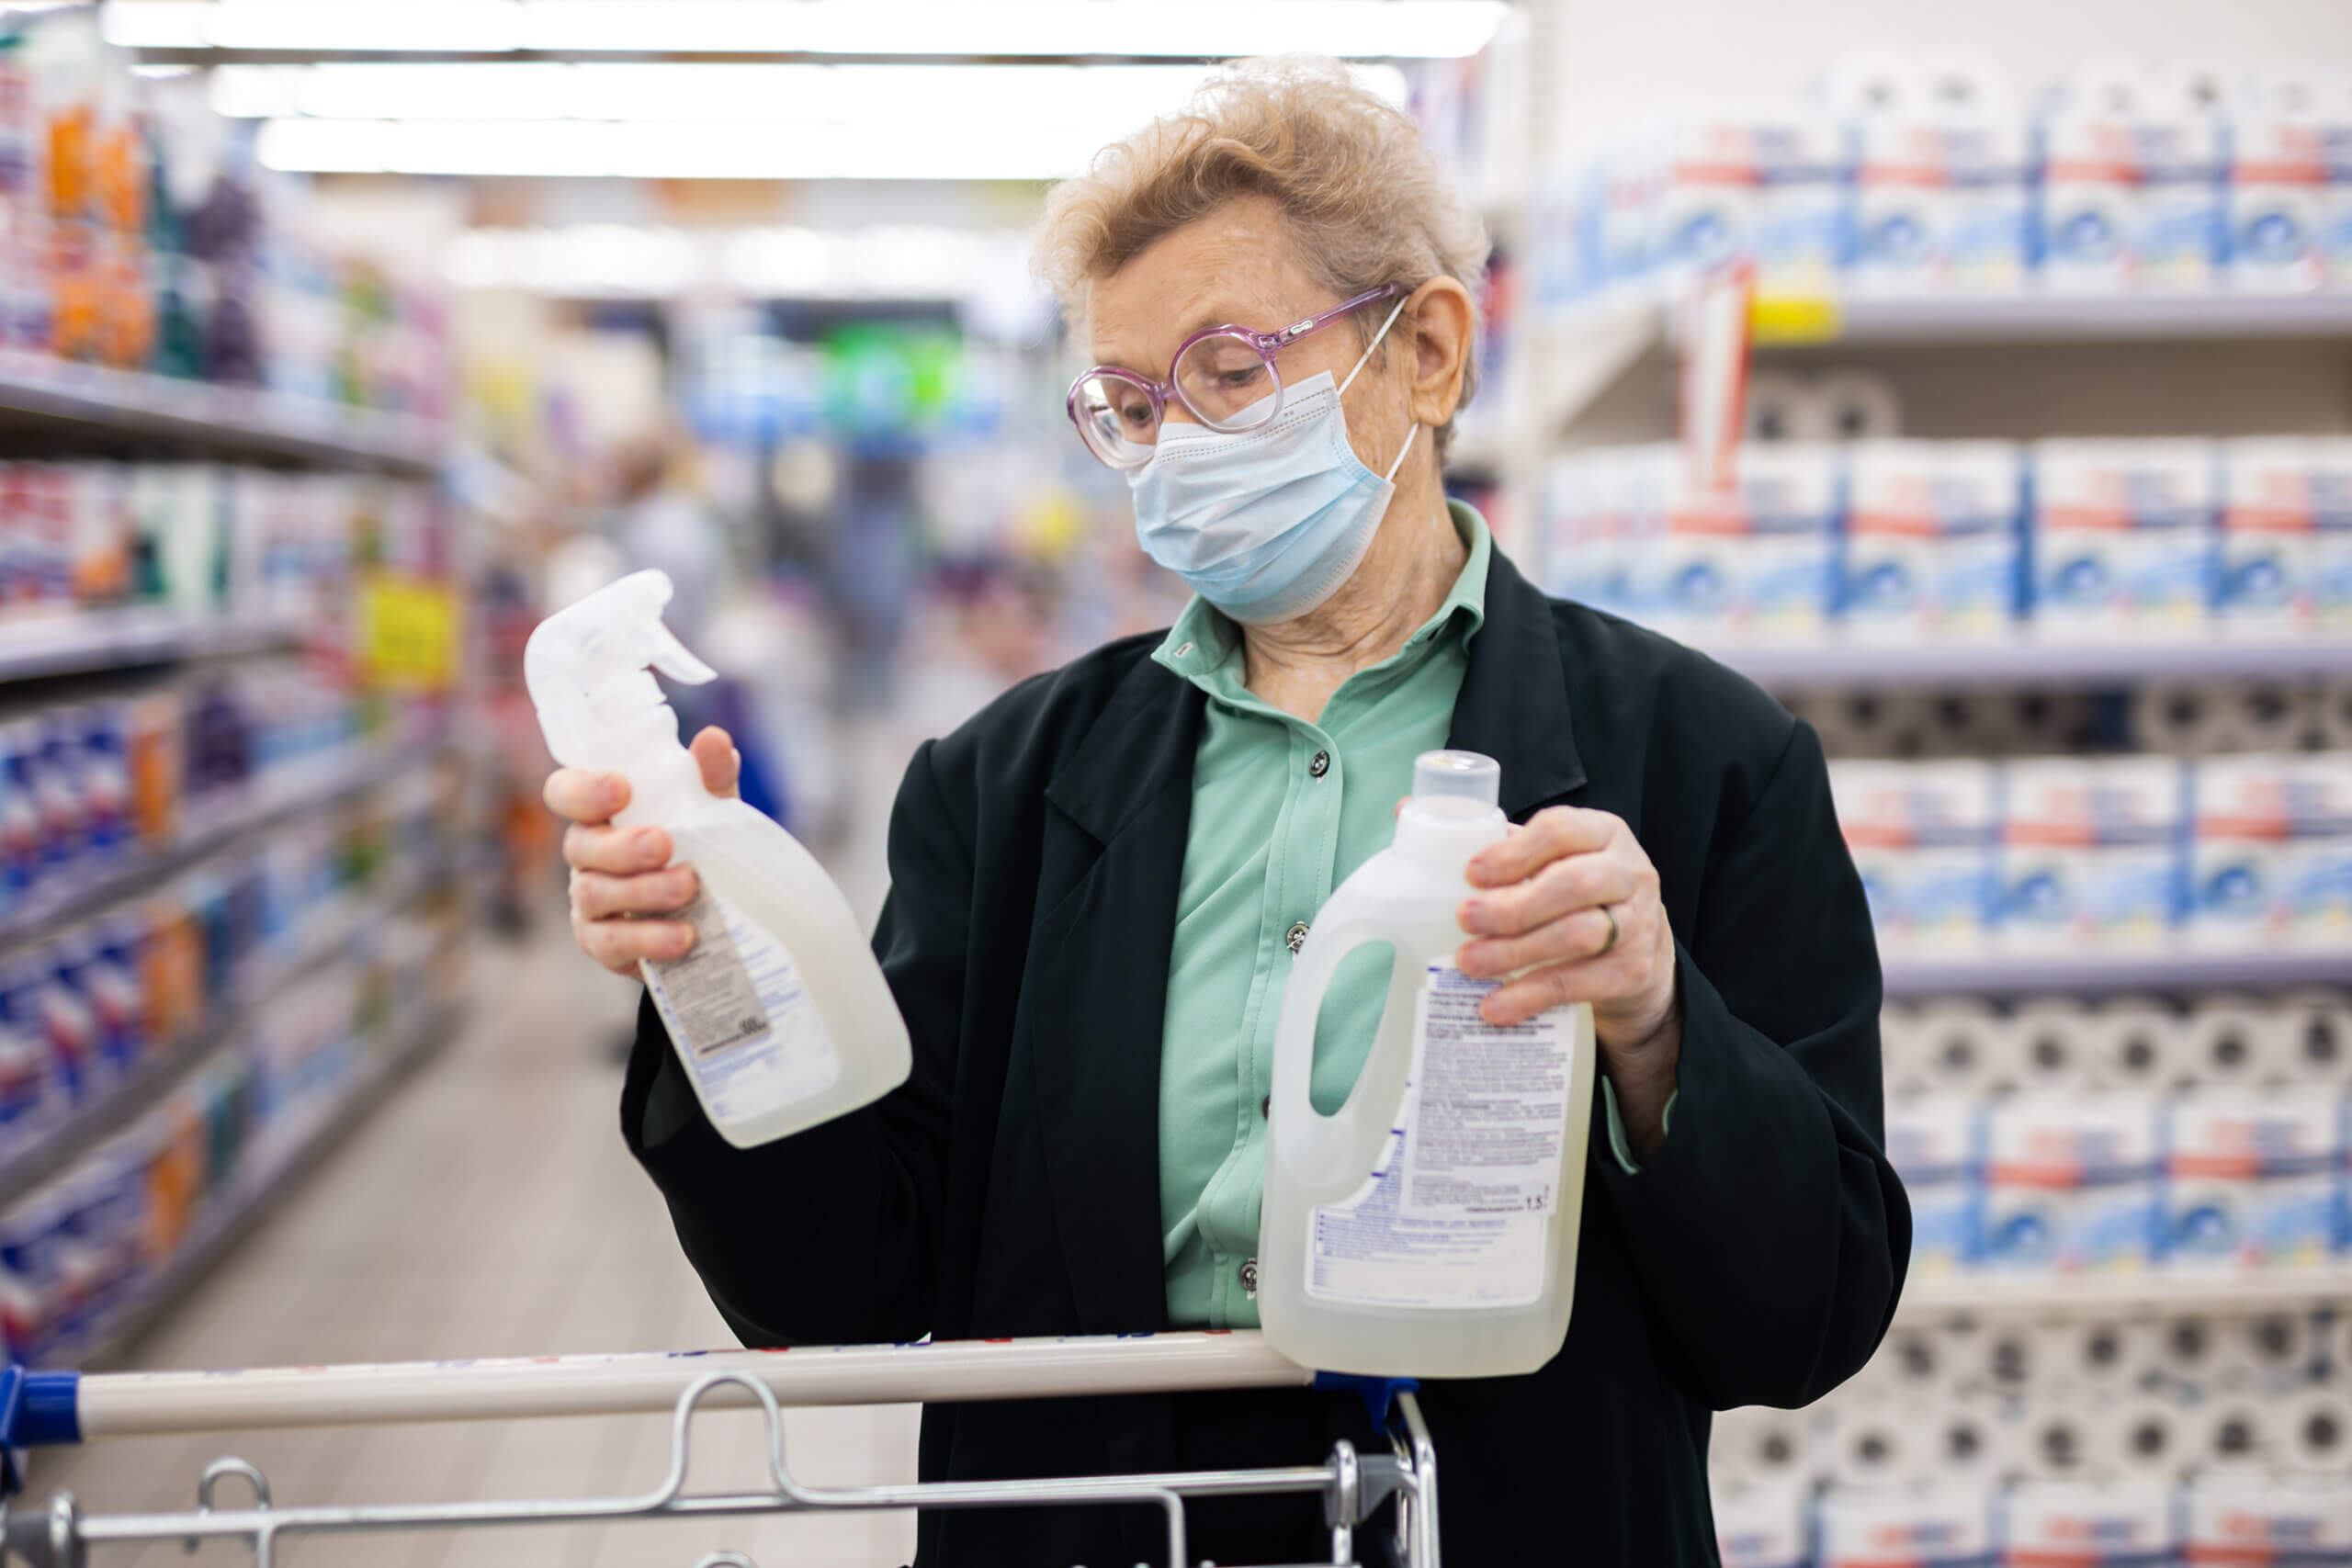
<point>1266,524</point>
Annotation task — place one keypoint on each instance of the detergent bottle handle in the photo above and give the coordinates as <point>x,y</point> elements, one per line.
<point>1330,1156</point>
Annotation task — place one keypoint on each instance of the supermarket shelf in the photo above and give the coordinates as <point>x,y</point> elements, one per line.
<point>2027,660</point>
<point>225,422</point>
<point>154,1078</point>
<point>2158,970</point>
<point>2008,1295</point>
<point>74,643</point>
<point>371,763</point>
<point>236,1212</point>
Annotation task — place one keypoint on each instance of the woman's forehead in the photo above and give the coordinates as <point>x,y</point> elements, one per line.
<point>1236,265</point>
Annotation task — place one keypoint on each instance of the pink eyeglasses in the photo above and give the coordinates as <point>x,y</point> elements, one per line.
<point>1224,376</point>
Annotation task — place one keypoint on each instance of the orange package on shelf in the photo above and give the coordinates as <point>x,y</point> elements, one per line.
<point>157,765</point>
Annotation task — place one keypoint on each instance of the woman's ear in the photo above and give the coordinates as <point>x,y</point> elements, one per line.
<point>1441,313</point>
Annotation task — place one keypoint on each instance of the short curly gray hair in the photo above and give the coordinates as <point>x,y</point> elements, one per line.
<point>1350,174</point>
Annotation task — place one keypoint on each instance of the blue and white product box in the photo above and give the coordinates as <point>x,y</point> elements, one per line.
<point>2071,1184</point>
<point>2239,853</point>
<point>2274,496</point>
<point>2090,187</point>
<point>1935,1143</point>
<point>2123,538</point>
<point>2279,193</point>
<point>1785,567</point>
<point>2316,879</point>
<point>1910,1527</point>
<point>2251,1180</point>
<point>2090,852</point>
<point>1764,1526</point>
<point>1933,538</point>
<point>1921,835</point>
<point>2242,1519</point>
<point>1706,215</point>
<point>2084,1525</point>
<point>2180,224</point>
<point>2327,490</point>
<point>1941,203</point>
<point>1804,166</point>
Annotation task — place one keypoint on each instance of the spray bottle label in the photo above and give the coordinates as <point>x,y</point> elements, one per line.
<point>744,1022</point>
<point>1457,1211</point>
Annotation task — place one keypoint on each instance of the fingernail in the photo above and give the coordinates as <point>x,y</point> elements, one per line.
<point>644,846</point>
<point>1473,915</point>
<point>680,939</point>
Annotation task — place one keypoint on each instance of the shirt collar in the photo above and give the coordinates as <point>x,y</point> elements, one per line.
<point>1205,645</point>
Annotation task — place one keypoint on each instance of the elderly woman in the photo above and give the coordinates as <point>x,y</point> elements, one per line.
<point>1099,883</point>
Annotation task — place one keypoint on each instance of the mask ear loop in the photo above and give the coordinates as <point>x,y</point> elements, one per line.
<point>1372,344</point>
<point>1390,477</point>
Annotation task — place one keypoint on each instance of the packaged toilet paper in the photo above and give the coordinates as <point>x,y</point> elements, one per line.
<point>1941,203</point>
<point>2242,1517</point>
<point>1934,538</point>
<point>2123,538</point>
<point>2086,1524</point>
<point>2316,874</point>
<point>2270,551</point>
<point>1921,834</point>
<point>1782,563</point>
<point>2239,855</point>
<point>1935,1143</point>
<point>1919,1525</point>
<point>2279,193</point>
<point>2070,1184</point>
<point>2090,852</point>
<point>2252,1179</point>
<point>1763,1526</point>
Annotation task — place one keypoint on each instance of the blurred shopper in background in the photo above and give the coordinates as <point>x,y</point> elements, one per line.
<point>1099,883</point>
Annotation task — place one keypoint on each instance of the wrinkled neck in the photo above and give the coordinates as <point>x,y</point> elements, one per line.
<point>1405,577</point>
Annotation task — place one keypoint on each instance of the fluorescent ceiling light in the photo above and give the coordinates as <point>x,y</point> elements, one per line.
<point>945,96</point>
<point>894,261</point>
<point>1144,28</point>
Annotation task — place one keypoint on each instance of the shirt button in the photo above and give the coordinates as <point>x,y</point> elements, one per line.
<point>1320,765</point>
<point>1249,1277</point>
<point>1266,1106</point>
<point>1296,938</point>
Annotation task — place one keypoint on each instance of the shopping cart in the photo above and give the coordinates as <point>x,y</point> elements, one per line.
<point>39,1409</point>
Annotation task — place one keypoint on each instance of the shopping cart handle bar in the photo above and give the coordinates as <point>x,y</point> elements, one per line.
<point>38,1408</point>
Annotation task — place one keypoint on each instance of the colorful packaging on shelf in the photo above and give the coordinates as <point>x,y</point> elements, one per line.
<point>2316,877</point>
<point>2234,1516</point>
<point>1922,835</point>
<point>1763,1526</point>
<point>20,819</point>
<point>1908,1527</point>
<point>2122,538</point>
<point>1942,204</point>
<point>1784,563</point>
<point>57,791</point>
<point>30,1306</point>
<point>2086,1524</point>
<point>1933,538</point>
<point>2180,219</point>
<point>1935,1143</point>
<point>2278,188</point>
<point>2070,1184</point>
<point>2090,186</point>
<point>2252,1179</point>
<point>104,773</point>
<point>2090,852</point>
<point>2239,854</point>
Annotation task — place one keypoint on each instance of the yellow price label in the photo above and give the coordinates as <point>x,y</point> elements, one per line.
<point>407,632</point>
<point>1794,318</point>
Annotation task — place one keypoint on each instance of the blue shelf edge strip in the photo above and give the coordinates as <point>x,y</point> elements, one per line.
<point>1378,1394</point>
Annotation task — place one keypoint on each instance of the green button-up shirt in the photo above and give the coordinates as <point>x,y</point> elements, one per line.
<point>1282,810</point>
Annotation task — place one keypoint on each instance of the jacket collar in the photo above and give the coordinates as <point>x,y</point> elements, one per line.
<point>1141,743</point>
<point>1514,701</point>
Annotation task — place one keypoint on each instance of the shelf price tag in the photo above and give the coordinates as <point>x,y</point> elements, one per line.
<point>407,632</point>
<point>1794,318</point>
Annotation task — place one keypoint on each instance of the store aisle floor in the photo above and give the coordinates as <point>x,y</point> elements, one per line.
<point>488,1209</point>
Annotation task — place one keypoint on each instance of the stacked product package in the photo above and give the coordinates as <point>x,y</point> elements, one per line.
<point>131,240</point>
<point>1884,539</point>
<point>2055,855</point>
<point>280,964</point>
<point>1933,176</point>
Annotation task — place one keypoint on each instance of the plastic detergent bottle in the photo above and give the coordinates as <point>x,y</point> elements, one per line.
<point>779,1010</point>
<point>1428,1226</point>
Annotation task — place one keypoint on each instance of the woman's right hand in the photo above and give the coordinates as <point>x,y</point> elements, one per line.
<point>621,877</point>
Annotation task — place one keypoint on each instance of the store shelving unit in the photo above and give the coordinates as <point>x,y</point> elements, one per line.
<point>83,642</point>
<point>2029,662</point>
<point>221,421</point>
<point>2159,969</point>
<point>2107,1295</point>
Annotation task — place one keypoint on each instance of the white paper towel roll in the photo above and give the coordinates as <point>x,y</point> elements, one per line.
<point>1874,1445</point>
<point>2146,1439</point>
<point>2005,1356</point>
<point>2055,1050</point>
<point>1872,724</point>
<point>2269,1346</point>
<point>2239,1040</point>
<point>1785,408</point>
<point>2191,718</point>
<point>1967,1443</point>
<point>1913,1364</point>
<point>2332,717</point>
<point>1758,1443</point>
<point>1970,1049</point>
<point>1968,724</point>
<point>1856,405</point>
<point>1902,1049</point>
<point>2315,1432</point>
<point>2061,1442</point>
<point>2319,1033</point>
<point>2190,1348</point>
<point>2047,723</point>
<point>2236,1432</point>
<point>1863,82</point>
<point>2272,716</point>
<point>2136,1043</point>
<point>2105,1355</point>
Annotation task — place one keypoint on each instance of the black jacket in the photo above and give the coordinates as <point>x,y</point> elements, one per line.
<point>1010,1186</point>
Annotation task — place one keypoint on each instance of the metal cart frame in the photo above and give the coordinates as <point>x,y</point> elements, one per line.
<point>39,1409</point>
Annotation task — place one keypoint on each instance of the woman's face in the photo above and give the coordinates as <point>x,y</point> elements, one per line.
<point>1239,266</point>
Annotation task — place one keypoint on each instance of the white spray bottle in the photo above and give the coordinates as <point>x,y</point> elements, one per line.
<point>1428,1228</point>
<point>779,1011</point>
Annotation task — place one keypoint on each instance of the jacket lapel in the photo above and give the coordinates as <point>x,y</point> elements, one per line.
<point>1095,996</point>
<point>1514,701</point>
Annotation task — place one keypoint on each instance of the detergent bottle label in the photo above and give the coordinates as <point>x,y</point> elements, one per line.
<point>741,1012</point>
<point>1458,1211</point>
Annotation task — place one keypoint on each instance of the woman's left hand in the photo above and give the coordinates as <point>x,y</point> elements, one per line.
<point>1551,894</point>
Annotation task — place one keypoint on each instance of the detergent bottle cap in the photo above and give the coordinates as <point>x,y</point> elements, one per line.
<point>1464,776</point>
<point>587,668</point>
<point>1453,811</point>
